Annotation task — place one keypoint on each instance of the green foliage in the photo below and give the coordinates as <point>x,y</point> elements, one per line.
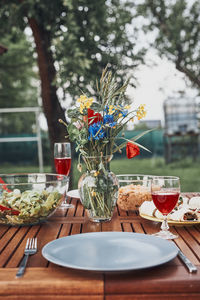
<point>17,85</point>
<point>93,35</point>
<point>84,35</point>
<point>178,33</point>
<point>73,41</point>
<point>140,126</point>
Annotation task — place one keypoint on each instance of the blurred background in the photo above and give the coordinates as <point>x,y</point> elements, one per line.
<point>52,51</point>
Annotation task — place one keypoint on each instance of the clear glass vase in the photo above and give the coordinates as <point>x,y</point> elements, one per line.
<point>98,188</point>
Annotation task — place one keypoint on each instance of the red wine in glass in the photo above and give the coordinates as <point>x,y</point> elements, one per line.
<point>165,191</point>
<point>63,165</point>
<point>165,201</point>
<point>62,161</point>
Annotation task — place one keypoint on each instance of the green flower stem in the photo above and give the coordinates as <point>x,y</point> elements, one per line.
<point>104,208</point>
<point>103,205</point>
<point>90,198</point>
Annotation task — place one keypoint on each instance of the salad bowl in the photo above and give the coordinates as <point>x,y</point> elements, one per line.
<point>30,198</point>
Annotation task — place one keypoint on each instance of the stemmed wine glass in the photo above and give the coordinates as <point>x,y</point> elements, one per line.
<point>62,161</point>
<point>165,191</point>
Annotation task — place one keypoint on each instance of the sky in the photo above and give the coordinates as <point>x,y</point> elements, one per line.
<point>157,83</point>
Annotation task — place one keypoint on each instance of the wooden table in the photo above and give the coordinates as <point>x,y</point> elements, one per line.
<point>44,280</point>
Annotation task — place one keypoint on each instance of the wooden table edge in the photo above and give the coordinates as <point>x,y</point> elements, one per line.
<point>50,281</point>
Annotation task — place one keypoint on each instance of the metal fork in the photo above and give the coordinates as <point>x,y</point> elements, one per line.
<point>30,249</point>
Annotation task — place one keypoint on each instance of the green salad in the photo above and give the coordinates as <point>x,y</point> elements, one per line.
<point>27,207</point>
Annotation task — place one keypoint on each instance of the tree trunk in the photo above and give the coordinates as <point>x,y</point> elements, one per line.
<point>52,108</point>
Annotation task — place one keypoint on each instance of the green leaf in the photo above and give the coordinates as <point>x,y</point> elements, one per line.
<point>142,147</point>
<point>73,132</point>
<point>135,138</point>
<point>124,145</point>
<point>73,113</point>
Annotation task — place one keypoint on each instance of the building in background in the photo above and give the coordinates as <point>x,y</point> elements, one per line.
<point>151,123</point>
<point>180,116</point>
<point>181,128</point>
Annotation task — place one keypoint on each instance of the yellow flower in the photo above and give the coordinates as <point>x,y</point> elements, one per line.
<point>93,193</point>
<point>127,107</point>
<point>111,109</point>
<point>82,99</point>
<point>96,173</point>
<point>88,103</point>
<point>141,112</point>
<point>142,106</point>
<point>81,108</point>
<point>85,102</point>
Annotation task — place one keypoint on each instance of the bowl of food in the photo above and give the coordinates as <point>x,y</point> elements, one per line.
<point>134,189</point>
<point>31,198</point>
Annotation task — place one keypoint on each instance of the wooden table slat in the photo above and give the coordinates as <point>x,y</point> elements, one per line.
<point>195,233</point>
<point>12,245</point>
<point>7,237</point>
<point>17,256</point>
<point>48,232</point>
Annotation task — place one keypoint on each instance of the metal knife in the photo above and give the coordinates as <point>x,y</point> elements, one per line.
<point>191,268</point>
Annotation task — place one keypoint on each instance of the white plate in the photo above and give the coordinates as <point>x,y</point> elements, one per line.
<point>170,222</point>
<point>73,194</point>
<point>109,251</point>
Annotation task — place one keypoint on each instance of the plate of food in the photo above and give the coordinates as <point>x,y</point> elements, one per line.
<point>187,212</point>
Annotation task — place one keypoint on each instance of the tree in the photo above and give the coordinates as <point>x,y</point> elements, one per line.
<point>74,40</point>
<point>17,87</point>
<point>178,33</point>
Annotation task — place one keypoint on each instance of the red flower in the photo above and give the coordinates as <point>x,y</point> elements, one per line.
<point>92,117</point>
<point>132,150</point>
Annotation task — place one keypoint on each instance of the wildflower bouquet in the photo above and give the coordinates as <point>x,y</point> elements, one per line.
<point>95,127</point>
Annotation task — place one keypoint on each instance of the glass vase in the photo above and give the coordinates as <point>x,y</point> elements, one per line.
<point>98,188</point>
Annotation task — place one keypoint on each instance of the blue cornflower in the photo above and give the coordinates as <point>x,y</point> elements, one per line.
<point>106,109</point>
<point>124,112</point>
<point>109,119</point>
<point>96,131</point>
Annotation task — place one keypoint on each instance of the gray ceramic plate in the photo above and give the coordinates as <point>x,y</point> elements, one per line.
<point>109,251</point>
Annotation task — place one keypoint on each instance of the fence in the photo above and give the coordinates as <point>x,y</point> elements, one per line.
<point>155,141</point>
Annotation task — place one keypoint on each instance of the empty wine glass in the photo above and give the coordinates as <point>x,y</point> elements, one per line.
<point>165,191</point>
<point>62,161</point>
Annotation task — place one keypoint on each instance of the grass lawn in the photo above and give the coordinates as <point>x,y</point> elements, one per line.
<point>188,171</point>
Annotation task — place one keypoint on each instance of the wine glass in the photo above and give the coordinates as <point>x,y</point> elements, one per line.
<point>165,191</point>
<point>62,161</point>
